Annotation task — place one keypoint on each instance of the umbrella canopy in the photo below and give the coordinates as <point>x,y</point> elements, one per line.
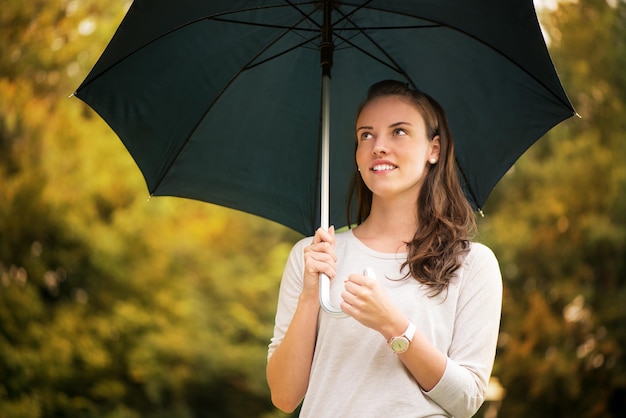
<point>223,101</point>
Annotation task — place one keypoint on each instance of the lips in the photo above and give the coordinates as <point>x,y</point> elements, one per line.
<point>383,167</point>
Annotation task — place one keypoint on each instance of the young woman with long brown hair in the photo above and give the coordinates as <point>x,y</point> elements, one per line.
<point>420,339</point>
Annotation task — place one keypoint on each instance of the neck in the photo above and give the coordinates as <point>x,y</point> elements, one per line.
<point>389,226</point>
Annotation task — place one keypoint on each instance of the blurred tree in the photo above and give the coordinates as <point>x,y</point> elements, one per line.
<point>111,306</point>
<point>558,225</point>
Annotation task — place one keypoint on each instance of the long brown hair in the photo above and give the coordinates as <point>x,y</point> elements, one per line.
<point>446,222</point>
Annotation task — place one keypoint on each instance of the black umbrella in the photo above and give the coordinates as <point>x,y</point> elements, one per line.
<point>231,102</point>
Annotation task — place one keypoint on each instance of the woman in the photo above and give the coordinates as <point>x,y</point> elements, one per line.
<point>420,340</point>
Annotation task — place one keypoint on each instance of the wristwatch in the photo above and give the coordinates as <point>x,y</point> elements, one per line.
<point>401,344</point>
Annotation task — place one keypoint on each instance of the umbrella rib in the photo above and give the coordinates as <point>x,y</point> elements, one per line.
<point>266,25</point>
<point>469,35</point>
<point>288,29</point>
<point>245,67</point>
<point>293,28</point>
<point>250,65</point>
<point>304,15</point>
<point>174,29</point>
<point>283,52</point>
<point>394,65</point>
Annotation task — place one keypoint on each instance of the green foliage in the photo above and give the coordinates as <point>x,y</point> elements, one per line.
<point>112,305</point>
<point>558,226</point>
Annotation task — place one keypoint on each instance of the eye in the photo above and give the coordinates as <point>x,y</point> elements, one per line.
<point>399,132</point>
<point>365,135</point>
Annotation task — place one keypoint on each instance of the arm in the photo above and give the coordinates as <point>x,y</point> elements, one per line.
<point>472,351</point>
<point>457,378</point>
<point>292,348</point>
<point>367,302</point>
<point>289,366</point>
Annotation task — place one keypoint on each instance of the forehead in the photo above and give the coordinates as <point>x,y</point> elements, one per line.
<point>390,108</point>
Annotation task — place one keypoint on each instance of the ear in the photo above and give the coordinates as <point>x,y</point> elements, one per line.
<point>435,147</point>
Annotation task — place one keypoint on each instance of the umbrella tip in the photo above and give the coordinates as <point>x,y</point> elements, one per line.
<point>481,213</point>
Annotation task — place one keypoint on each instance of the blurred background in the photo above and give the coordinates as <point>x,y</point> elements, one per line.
<point>119,306</point>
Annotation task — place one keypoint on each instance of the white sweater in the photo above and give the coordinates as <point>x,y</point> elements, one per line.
<point>355,374</point>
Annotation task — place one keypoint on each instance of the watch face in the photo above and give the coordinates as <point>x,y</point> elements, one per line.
<point>399,344</point>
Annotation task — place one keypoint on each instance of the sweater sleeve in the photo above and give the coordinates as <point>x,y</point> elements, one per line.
<point>290,289</point>
<point>461,389</point>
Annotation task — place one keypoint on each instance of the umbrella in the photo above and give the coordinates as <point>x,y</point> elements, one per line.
<point>232,102</point>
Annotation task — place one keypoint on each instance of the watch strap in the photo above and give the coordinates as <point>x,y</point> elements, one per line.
<point>410,331</point>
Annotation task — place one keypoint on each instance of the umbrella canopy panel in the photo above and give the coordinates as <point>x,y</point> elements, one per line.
<point>220,101</point>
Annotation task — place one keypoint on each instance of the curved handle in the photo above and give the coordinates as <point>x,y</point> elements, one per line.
<point>327,306</point>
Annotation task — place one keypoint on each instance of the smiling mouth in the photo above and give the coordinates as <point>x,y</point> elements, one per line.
<point>384,167</point>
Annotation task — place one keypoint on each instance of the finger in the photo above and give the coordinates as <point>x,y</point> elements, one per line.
<point>321,248</point>
<point>360,289</point>
<point>351,287</point>
<point>321,251</point>
<point>359,279</point>
<point>319,258</point>
<point>352,305</point>
<point>323,235</point>
<point>317,267</point>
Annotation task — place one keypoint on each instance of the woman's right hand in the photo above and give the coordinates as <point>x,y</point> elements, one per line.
<point>289,367</point>
<point>319,257</point>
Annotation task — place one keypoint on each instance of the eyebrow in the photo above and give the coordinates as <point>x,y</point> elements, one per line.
<point>393,125</point>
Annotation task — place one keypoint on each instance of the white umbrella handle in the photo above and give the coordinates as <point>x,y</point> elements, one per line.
<point>325,294</point>
<point>327,306</point>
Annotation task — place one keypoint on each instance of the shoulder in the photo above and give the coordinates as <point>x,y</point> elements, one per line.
<point>298,247</point>
<point>481,252</point>
<point>481,262</point>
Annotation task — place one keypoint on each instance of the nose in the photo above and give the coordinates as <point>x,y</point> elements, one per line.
<point>380,145</point>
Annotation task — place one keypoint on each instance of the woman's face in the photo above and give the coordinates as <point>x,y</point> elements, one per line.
<point>393,150</point>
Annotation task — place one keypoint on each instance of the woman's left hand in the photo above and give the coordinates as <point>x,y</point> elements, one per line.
<point>368,302</point>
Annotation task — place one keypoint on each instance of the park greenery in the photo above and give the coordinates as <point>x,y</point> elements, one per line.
<point>116,305</point>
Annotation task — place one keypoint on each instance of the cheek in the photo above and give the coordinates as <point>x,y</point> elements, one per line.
<point>361,155</point>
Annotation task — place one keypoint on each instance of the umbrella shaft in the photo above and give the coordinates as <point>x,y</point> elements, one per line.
<point>325,155</point>
<point>324,281</point>
<point>327,47</point>
<point>326,57</point>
